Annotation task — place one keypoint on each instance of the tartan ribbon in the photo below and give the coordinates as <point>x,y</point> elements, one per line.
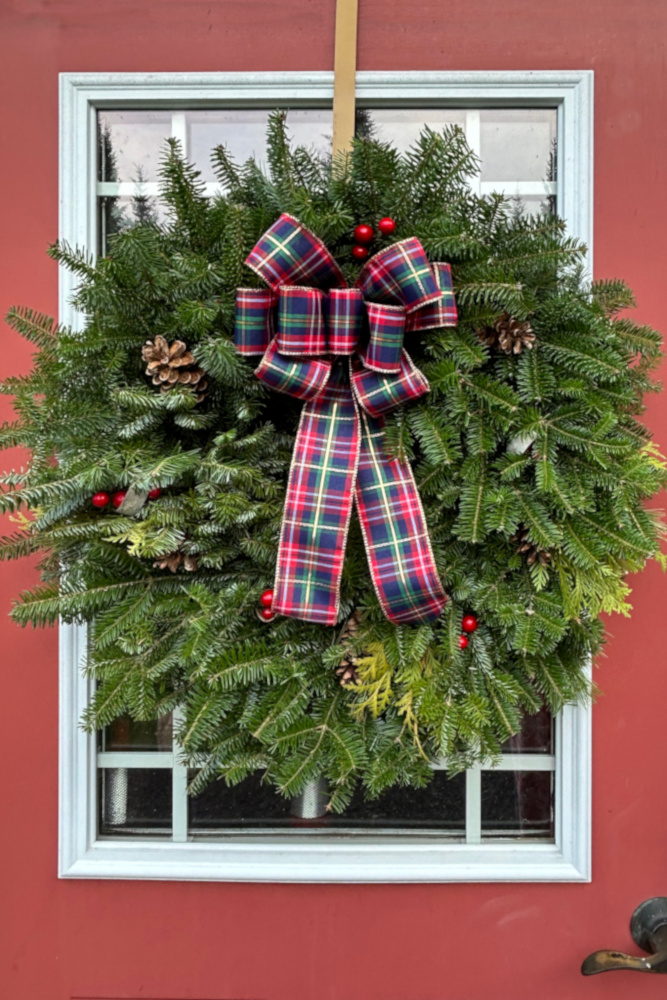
<point>340,350</point>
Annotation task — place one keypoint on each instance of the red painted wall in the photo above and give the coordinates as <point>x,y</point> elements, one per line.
<point>252,942</point>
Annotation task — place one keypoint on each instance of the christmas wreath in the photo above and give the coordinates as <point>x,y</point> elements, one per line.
<point>498,470</point>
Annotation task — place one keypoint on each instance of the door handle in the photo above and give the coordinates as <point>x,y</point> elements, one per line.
<point>649,931</point>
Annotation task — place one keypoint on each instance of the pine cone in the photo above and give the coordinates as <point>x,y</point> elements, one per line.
<point>170,365</point>
<point>175,560</point>
<point>346,670</point>
<point>508,334</point>
<point>527,548</point>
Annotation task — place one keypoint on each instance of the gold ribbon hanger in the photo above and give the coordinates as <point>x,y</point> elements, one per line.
<point>345,67</point>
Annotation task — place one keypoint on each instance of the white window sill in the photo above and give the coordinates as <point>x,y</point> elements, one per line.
<point>262,860</point>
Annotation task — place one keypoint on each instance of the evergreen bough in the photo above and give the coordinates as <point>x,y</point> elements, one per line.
<point>546,441</point>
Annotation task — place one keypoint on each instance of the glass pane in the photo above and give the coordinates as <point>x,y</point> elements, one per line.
<point>131,144</point>
<point>440,806</point>
<point>527,205</point>
<point>134,800</point>
<point>536,735</point>
<point>125,734</point>
<point>116,213</point>
<point>518,144</point>
<point>244,134</point>
<point>517,804</point>
<point>401,126</point>
<point>249,803</point>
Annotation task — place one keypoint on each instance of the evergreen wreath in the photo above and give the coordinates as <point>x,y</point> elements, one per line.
<point>531,462</point>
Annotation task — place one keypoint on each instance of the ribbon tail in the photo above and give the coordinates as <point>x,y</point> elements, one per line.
<point>395,533</point>
<point>318,506</point>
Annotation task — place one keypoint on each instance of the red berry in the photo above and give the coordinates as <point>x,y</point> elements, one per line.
<point>154,494</point>
<point>463,641</point>
<point>363,233</point>
<point>118,498</point>
<point>100,500</point>
<point>386,226</point>
<point>267,598</point>
<point>469,623</point>
<point>361,253</point>
<point>267,614</point>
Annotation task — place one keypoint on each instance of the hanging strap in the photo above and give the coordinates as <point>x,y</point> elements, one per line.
<point>345,68</point>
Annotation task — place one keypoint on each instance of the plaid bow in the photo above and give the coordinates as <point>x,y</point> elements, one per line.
<point>341,350</point>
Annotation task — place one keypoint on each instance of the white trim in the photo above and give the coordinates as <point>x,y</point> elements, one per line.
<point>316,856</point>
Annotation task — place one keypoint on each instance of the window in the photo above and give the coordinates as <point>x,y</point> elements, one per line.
<point>124,806</point>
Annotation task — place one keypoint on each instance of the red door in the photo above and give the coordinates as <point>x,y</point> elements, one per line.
<point>221,940</point>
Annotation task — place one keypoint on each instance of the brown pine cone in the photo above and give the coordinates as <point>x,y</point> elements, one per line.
<point>508,334</point>
<point>346,670</point>
<point>527,548</point>
<point>171,365</point>
<point>175,560</point>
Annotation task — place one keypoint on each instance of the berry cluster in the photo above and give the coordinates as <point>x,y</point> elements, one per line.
<point>364,234</point>
<point>101,500</point>
<point>468,624</point>
<point>265,612</point>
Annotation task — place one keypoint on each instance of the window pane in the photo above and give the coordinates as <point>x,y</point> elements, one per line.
<point>401,126</point>
<point>244,134</point>
<point>116,213</point>
<point>440,806</point>
<point>249,803</point>
<point>527,204</point>
<point>517,804</point>
<point>134,800</point>
<point>125,734</point>
<point>536,735</point>
<point>518,144</point>
<point>131,143</point>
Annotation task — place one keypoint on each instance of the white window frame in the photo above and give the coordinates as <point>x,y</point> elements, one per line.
<point>321,857</point>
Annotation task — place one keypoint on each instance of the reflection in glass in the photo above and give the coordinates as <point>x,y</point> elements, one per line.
<point>116,213</point>
<point>526,205</point>
<point>518,144</point>
<point>402,126</point>
<point>440,806</point>
<point>535,736</point>
<point>244,134</point>
<point>517,804</point>
<point>126,734</point>
<point>134,800</point>
<point>250,803</point>
<point>131,142</point>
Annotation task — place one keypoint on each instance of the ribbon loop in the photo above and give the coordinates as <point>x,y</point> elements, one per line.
<point>289,254</point>
<point>301,323</point>
<point>378,394</point>
<point>303,378</point>
<point>386,326</point>
<point>253,322</point>
<point>344,309</point>
<point>442,312</point>
<point>401,273</point>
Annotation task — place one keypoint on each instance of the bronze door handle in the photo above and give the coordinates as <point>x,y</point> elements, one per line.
<point>649,931</point>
